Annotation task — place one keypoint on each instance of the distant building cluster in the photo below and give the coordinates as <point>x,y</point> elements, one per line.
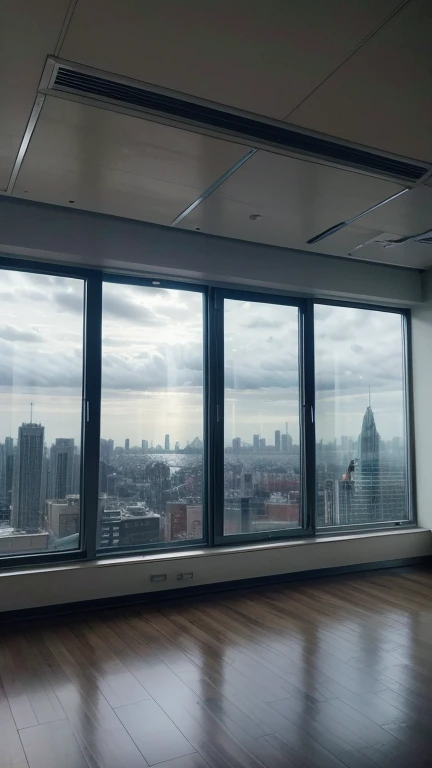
<point>153,494</point>
<point>283,443</point>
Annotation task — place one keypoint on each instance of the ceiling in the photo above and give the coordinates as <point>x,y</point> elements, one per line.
<point>358,71</point>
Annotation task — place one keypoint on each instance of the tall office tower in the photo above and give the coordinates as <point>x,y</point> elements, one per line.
<point>236,444</point>
<point>167,442</point>
<point>110,449</point>
<point>368,487</point>
<point>27,478</point>
<point>8,465</point>
<point>331,502</point>
<point>262,443</point>
<point>144,446</point>
<point>61,468</point>
<point>104,451</point>
<point>45,483</point>
<point>284,443</point>
<point>347,501</point>
<point>127,445</point>
<point>277,440</point>
<point>2,475</point>
<point>76,474</point>
<point>256,442</point>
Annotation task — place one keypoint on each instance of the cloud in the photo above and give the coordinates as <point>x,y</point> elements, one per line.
<point>126,308</point>
<point>357,348</point>
<point>7,296</point>
<point>263,322</point>
<point>10,333</point>
<point>69,300</point>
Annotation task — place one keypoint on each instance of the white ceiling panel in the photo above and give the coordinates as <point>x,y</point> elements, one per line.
<point>381,96</point>
<point>409,214</point>
<point>120,165</point>
<point>295,200</point>
<point>259,56</point>
<point>410,254</point>
<point>29,30</point>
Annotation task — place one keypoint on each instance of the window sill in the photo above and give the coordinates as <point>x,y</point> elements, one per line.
<point>205,552</point>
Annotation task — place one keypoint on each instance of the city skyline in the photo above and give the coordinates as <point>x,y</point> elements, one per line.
<point>152,348</point>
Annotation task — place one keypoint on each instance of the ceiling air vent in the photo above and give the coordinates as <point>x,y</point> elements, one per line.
<point>252,130</point>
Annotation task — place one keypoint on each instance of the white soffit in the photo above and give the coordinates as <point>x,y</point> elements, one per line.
<point>29,29</point>
<point>293,199</point>
<point>382,95</point>
<point>264,57</point>
<point>117,164</point>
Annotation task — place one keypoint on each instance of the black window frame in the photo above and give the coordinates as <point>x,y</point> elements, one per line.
<point>213,424</point>
<point>411,521</point>
<point>306,420</point>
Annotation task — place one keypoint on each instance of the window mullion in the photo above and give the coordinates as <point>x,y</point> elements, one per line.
<point>308,426</point>
<point>91,413</point>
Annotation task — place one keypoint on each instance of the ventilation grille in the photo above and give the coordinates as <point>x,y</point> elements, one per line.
<point>82,83</point>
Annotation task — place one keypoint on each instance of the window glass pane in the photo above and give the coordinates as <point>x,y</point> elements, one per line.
<point>41,368</point>
<point>262,486</point>
<point>361,452</point>
<point>151,460</point>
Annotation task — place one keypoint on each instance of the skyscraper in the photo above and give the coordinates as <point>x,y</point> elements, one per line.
<point>256,439</point>
<point>277,440</point>
<point>61,468</point>
<point>144,446</point>
<point>167,442</point>
<point>8,465</point>
<point>236,444</point>
<point>127,445</point>
<point>368,491</point>
<point>27,478</point>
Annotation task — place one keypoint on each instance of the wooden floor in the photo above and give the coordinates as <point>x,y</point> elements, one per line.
<point>331,673</point>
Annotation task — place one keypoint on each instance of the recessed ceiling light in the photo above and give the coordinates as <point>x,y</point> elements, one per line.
<point>255,216</point>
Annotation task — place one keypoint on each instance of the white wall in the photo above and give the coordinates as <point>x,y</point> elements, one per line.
<point>62,234</point>
<point>113,578</point>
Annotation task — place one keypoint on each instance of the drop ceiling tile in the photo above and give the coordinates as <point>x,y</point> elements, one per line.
<point>257,56</point>
<point>295,200</point>
<point>381,96</point>
<point>409,214</point>
<point>120,165</point>
<point>29,31</point>
<point>410,254</point>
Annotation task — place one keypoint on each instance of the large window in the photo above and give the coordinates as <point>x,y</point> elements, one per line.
<point>144,414</point>
<point>361,418</point>
<point>152,417</point>
<point>262,436</point>
<point>41,369</point>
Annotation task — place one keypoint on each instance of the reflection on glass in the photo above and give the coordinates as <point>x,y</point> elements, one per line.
<point>262,489</point>
<point>151,452</point>
<point>361,449</point>
<point>41,365</point>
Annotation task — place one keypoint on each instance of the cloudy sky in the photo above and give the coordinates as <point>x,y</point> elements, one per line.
<point>152,364</point>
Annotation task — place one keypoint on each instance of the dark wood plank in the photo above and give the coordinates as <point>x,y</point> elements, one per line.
<point>153,732</point>
<point>51,746</point>
<point>327,674</point>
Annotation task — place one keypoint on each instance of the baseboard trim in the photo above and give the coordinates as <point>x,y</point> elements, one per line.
<point>63,609</point>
